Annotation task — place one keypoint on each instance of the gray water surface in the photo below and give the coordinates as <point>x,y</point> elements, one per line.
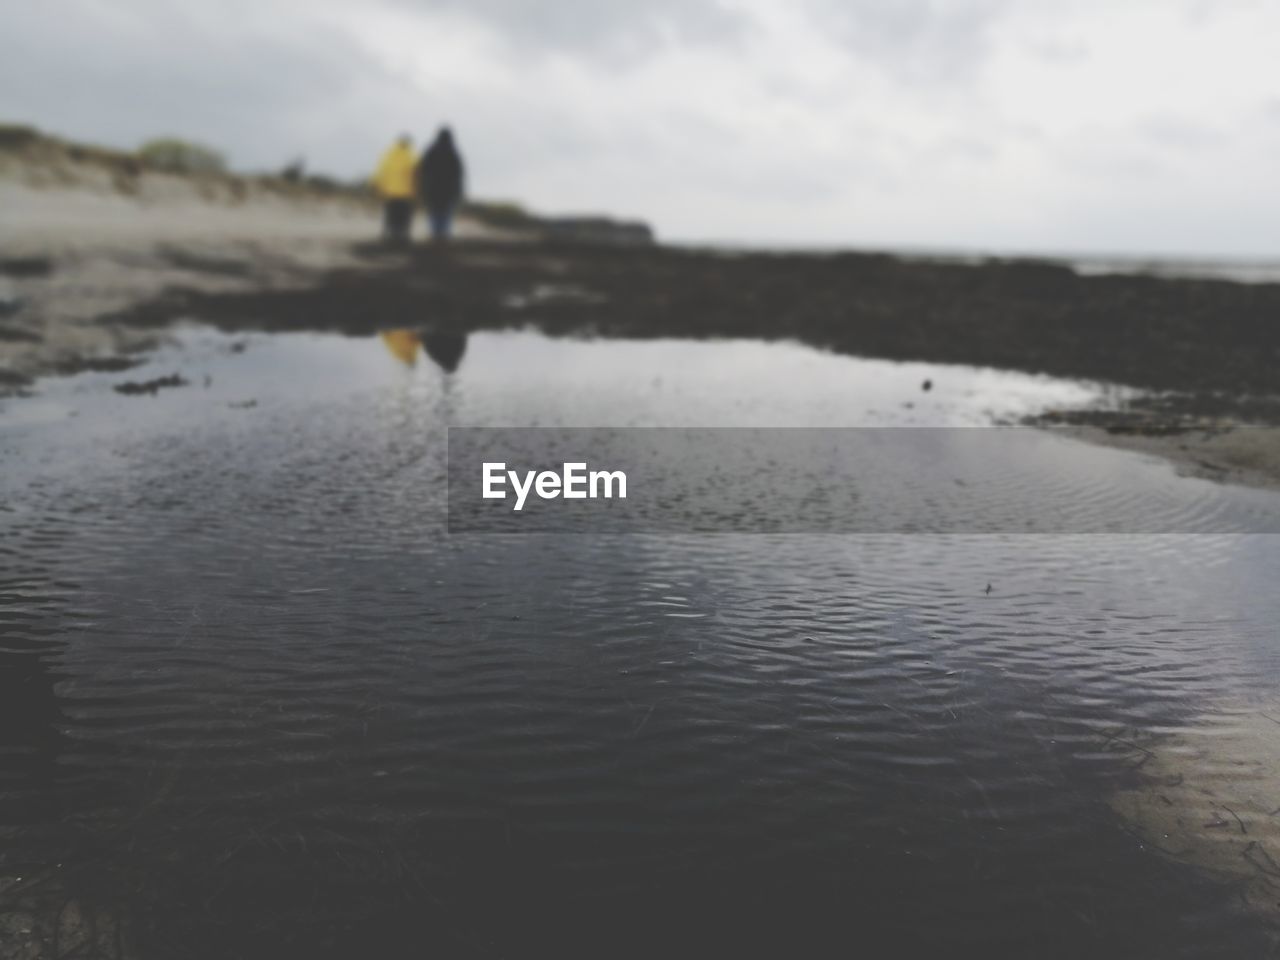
<point>256,691</point>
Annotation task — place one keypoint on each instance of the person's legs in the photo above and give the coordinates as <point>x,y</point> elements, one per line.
<point>399,219</point>
<point>441,219</point>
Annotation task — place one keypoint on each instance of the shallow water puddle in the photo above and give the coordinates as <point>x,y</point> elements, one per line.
<point>504,377</point>
<point>254,673</point>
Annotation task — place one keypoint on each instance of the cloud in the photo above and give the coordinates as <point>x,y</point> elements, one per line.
<point>257,83</point>
<point>600,31</point>
<point>1179,133</point>
<point>919,41</point>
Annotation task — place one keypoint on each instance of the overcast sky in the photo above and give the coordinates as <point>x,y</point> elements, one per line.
<point>1140,126</point>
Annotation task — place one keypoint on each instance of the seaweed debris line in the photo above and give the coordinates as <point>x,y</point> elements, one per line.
<point>135,388</point>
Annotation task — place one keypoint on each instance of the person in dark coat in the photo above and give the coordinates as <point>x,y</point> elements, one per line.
<point>440,178</point>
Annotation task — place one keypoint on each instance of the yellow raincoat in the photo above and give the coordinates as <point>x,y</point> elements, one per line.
<point>395,177</point>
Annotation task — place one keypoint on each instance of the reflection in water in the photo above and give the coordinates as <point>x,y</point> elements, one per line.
<point>445,348</point>
<point>402,344</point>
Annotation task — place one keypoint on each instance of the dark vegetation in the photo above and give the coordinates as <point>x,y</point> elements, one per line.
<point>56,161</point>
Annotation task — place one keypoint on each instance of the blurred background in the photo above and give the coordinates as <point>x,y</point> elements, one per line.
<point>1149,127</point>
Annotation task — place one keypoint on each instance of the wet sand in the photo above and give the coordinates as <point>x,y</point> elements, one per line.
<point>1221,450</point>
<point>1210,796</point>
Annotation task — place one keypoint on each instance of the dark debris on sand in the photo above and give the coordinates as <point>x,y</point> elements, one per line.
<point>135,388</point>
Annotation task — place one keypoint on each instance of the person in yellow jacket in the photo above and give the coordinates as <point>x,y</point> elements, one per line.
<point>395,183</point>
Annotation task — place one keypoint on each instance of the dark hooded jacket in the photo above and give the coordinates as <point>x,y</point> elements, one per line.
<point>440,173</point>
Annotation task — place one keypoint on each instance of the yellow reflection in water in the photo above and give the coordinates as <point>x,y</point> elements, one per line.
<point>403,345</point>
